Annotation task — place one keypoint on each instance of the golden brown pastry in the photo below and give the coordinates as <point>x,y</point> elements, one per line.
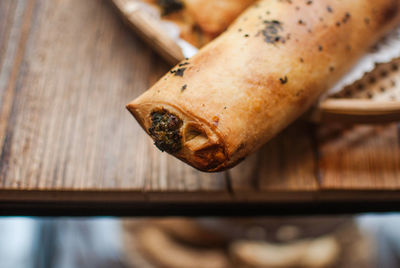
<point>200,21</point>
<point>260,75</point>
<point>214,17</point>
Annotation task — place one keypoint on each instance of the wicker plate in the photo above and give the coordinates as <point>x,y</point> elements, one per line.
<point>372,99</point>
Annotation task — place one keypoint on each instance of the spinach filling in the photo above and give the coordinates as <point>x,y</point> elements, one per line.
<point>165,131</point>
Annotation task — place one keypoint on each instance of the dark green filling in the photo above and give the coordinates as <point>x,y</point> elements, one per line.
<point>170,6</point>
<point>165,131</point>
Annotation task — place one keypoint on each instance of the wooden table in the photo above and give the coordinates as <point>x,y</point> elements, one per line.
<point>68,146</point>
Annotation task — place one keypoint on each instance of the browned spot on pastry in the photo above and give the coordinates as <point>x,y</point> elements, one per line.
<point>212,156</point>
<point>215,120</point>
<point>360,87</point>
<point>390,12</point>
<point>346,17</point>
<point>239,148</point>
<point>170,6</point>
<point>299,93</point>
<point>179,71</point>
<point>183,64</point>
<point>272,31</point>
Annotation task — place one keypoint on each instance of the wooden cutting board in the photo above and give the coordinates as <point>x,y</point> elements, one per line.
<point>67,69</point>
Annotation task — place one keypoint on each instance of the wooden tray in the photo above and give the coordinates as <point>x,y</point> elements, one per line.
<point>69,147</point>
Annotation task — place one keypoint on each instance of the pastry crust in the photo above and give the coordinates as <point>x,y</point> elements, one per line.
<point>200,21</point>
<point>214,17</point>
<point>261,74</point>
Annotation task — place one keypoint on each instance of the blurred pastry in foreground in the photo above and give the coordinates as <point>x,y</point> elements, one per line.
<point>317,253</point>
<point>189,231</point>
<point>166,252</point>
<point>269,242</point>
<point>266,70</point>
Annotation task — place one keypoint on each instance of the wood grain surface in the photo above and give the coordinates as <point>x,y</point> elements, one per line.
<point>67,69</point>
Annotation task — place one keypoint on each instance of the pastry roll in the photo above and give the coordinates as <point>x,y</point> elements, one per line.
<point>269,67</point>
